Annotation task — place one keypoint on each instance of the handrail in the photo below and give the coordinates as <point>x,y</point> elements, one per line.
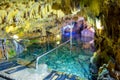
<point>49,52</point>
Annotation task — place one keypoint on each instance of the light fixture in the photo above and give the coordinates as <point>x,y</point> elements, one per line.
<point>98,24</point>
<point>15,37</point>
<point>58,36</point>
<point>58,42</point>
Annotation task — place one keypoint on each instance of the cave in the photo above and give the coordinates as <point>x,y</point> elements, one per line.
<point>59,39</point>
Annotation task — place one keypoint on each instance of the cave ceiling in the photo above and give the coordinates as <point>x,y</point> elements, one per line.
<point>25,16</point>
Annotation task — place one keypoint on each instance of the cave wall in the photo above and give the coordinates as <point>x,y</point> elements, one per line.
<point>108,42</point>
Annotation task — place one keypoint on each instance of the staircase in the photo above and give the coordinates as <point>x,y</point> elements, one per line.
<point>54,75</point>
<point>6,65</point>
<point>9,67</point>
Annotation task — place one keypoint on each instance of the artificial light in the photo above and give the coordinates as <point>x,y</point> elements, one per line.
<point>58,42</point>
<point>15,37</point>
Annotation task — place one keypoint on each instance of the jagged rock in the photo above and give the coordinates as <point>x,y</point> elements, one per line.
<point>3,14</point>
<point>104,74</point>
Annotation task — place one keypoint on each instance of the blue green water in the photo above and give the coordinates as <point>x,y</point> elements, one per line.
<point>75,63</point>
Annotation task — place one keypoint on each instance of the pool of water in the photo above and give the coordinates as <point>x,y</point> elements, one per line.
<point>71,63</point>
<point>75,63</point>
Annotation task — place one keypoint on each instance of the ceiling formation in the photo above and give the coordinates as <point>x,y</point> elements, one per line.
<point>27,16</point>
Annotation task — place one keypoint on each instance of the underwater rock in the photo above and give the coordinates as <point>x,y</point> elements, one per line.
<point>104,74</point>
<point>94,71</point>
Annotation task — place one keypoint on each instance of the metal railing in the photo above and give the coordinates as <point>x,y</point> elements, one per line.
<point>70,40</point>
<point>39,57</point>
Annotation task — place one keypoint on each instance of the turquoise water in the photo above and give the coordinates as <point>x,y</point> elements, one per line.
<point>75,63</point>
